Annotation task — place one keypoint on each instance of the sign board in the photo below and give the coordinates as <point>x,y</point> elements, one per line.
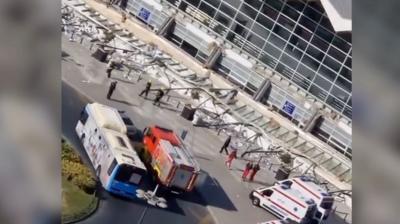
<point>144,14</point>
<point>288,107</point>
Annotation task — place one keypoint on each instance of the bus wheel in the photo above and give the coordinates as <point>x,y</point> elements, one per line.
<point>255,201</point>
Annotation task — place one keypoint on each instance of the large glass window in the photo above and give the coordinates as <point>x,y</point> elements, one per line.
<point>335,53</point>
<point>318,42</point>
<point>324,34</point>
<point>293,51</point>
<point>348,62</point>
<point>276,4</point>
<point>214,3</point>
<point>256,4</point>
<point>129,174</point>
<point>304,33</point>
<point>270,49</point>
<point>286,22</point>
<point>318,92</point>
<point>277,41</point>
<point>250,12</point>
<point>327,73</point>
<point>332,63</point>
<point>265,21</point>
<point>326,23</point>
<point>223,19</point>
<point>323,83</point>
<point>290,12</point>
<point>112,166</point>
<point>340,94</point>
<point>301,81</point>
<point>260,31</point>
<point>310,62</point>
<point>256,40</point>
<point>282,32</point>
<point>341,44</point>
<point>289,61</point>
<point>315,53</point>
<point>312,14</point>
<point>346,73</point>
<point>195,3</point>
<point>335,103</point>
<point>341,82</point>
<point>268,59</point>
<point>227,10</point>
<point>209,10</point>
<point>284,70</point>
<point>306,72</point>
<point>270,12</point>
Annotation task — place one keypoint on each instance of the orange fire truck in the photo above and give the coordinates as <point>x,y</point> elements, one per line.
<point>172,163</point>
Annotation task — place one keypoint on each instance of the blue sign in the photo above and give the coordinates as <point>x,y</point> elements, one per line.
<point>144,14</point>
<point>288,107</point>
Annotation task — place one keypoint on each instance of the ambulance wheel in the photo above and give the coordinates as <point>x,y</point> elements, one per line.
<point>255,201</point>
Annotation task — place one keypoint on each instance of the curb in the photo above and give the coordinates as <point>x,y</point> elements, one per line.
<point>86,215</point>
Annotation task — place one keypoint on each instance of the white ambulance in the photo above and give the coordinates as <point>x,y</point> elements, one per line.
<point>285,203</point>
<point>313,191</point>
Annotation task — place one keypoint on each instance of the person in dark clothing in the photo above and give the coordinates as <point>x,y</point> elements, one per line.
<point>225,145</point>
<point>110,66</point>
<point>146,89</point>
<point>111,89</point>
<point>255,169</point>
<point>160,94</point>
<point>246,170</point>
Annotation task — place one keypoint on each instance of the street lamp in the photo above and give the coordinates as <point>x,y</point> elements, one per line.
<point>151,197</point>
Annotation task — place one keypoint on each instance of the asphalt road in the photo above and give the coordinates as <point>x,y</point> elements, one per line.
<point>184,209</point>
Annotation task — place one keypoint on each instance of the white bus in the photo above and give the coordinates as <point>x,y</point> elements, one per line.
<point>285,203</point>
<point>313,191</point>
<point>103,135</point>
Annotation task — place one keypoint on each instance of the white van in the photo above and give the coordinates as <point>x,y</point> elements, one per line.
<point>313,191</point>
<point>285,203</point>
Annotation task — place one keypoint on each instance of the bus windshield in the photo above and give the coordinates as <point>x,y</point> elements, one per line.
<point>129,174</point>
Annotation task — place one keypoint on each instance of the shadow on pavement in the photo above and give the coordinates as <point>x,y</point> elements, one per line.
<point>122,101</point>
<point>123,80</point>
<point>216,195</point>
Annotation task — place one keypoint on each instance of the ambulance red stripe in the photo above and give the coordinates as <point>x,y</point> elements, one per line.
<point>297,202</point>
<point>280,206</point>
<point>305,188</point>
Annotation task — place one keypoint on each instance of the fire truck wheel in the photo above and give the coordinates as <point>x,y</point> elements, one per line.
<point>255,201</point>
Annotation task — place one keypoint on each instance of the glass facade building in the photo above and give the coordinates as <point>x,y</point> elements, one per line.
<point>294,38</point>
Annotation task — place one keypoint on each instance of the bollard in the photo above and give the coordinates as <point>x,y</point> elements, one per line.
<point>168,97</point>
<point>183,134</point>
<point>81,41</point>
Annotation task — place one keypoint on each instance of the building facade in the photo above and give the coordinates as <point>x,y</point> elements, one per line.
<point>311,64</point>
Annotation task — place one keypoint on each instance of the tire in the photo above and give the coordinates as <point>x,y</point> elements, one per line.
<point>255,201</point>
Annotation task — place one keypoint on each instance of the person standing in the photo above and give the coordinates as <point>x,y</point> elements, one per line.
<point>231,157</point>
<point>255,169</point>
<point>246,170</point>
<point>111,89</point>
<point>160,94</point>
<point>110,67</point>
<point>225,145</point>
<point>146,89</point>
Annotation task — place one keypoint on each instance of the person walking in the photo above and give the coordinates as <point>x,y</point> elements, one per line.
<point>146,89</point>
<point>231,157</point>
<point>225,145</point>
<point>246,170</point>
<point>110,67</point>
<point>111,89</point>
<point>160,94</point>
<point>255,169</point>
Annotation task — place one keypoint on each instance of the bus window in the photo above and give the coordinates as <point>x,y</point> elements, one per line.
<point>121,142</point>
<point>84,116</point>
<point>129,174</point>
<point>112,166</point>
<point>287,183</point>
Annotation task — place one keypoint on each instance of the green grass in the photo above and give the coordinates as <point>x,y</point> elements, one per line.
<point>76,203</point>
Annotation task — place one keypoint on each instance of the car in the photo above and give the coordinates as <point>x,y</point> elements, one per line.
<point>133,133</point>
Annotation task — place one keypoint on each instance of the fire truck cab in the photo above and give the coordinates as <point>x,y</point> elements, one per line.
<point>173,165</point>
<point>285,203</point>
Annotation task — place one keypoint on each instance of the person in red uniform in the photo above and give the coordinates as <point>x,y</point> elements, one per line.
<point>246,170</point>
<point>231,157</point>
<point>254,170</point>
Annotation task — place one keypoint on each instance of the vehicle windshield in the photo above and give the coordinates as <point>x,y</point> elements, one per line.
<point>129,174</point>
<point>326,204</point>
